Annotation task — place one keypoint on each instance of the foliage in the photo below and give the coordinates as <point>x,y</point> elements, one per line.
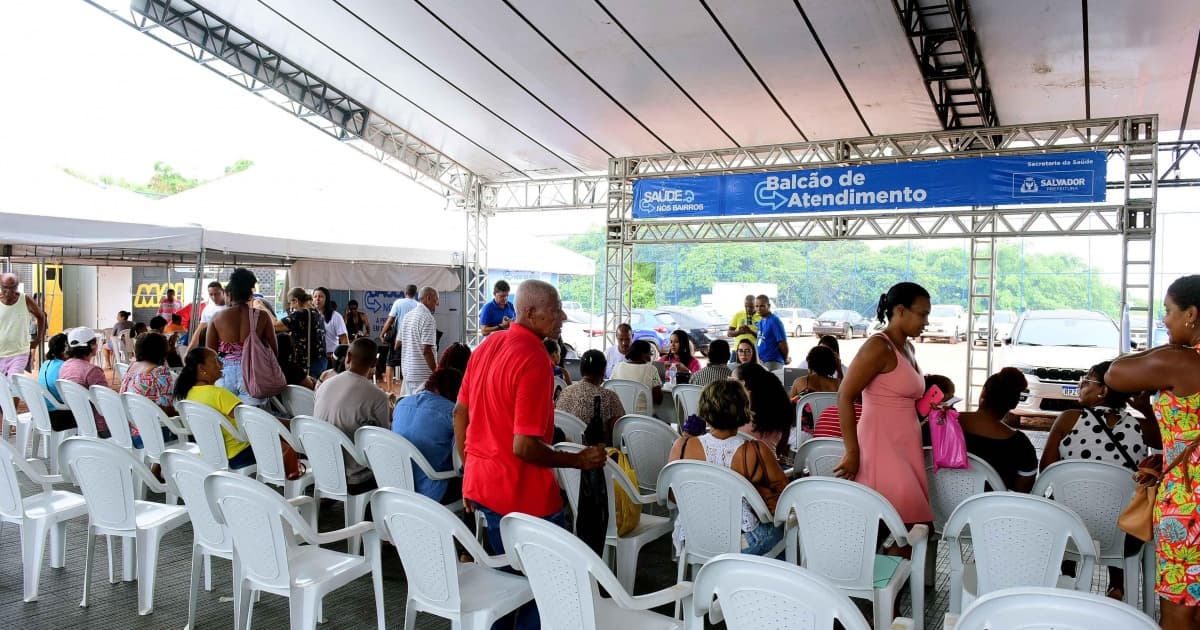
<point>845,274</point>
<point>164,182</point>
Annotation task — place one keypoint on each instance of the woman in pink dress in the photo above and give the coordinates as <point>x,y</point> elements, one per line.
<point>883,447</point>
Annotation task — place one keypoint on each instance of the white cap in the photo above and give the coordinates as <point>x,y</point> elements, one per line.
<point>79,337</point>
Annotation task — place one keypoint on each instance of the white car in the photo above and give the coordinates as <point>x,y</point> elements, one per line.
<point>946,321</point>
<point>797,321</point>
<point>1001,328</point>
<point>583,335</point>
<point>1055,349</point>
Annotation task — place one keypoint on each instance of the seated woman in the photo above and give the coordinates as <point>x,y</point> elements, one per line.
<point>821,361</point>
<point>680,354</point>
<point>772,411</point>
<point>746,352</point>
<point>426,419</point>
<point>725,407</point>
<point>455,356</point>
<point>1008,450</point>
<point>79,368</point>
<point>149,376</point>
<point>61,418</point>
<point>197,382</point>
<point>831,342</point>
<point>579,398</point>
<point>555,352</point>
<point>637,366</point>
<point>829,425</point>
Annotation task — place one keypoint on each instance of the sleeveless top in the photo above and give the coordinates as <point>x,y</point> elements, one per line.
<point>14,328</point>
<point>720,452</point>
<point>1089,441</point>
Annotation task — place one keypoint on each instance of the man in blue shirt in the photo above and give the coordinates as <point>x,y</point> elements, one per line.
<point>390,334</point>
<point>499,313</point>
<point>772,337</point>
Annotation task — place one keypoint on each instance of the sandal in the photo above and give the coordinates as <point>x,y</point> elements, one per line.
<point>300,473</point>
<point>1115,592</point>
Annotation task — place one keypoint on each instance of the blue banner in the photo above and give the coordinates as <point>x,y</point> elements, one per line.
<point>1077,177</point>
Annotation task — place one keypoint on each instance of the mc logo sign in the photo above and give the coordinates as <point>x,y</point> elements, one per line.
<point>150,294</point>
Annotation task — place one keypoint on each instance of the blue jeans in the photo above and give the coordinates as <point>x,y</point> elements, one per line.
<point>762,539</point>
<point>318,366</point>
<point>526,617</point>
<point>233,380</point>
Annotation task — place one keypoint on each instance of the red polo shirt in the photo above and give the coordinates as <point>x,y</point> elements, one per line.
<point>509,390</point>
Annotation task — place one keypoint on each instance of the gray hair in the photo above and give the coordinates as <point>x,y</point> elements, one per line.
<point>427,292</point>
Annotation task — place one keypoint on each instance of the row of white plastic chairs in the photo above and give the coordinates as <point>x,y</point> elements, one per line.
<point>241,519</point>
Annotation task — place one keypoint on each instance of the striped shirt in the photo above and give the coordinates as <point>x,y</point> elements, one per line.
<point>418,330</point>
<point>829,425</point>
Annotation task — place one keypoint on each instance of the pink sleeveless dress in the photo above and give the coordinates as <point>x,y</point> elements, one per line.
<point>891,460</point>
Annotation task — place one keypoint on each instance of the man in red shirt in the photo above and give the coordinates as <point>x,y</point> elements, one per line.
<point>505,420</point>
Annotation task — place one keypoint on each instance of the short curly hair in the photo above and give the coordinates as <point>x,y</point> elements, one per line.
<point>725,405</point>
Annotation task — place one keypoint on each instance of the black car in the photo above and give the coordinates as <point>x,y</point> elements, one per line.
<point>841,323</point>
<point>700,331</point>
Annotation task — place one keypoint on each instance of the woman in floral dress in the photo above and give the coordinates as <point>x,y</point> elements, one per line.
<point>1173,371</point>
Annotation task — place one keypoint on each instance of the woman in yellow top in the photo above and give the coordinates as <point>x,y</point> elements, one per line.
<point>201,369</point>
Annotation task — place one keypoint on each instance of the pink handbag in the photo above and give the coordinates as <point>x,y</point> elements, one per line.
<point>260,367</point>
<point>949,445</point>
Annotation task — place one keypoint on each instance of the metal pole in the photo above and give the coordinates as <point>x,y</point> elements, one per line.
<point>194,320</point>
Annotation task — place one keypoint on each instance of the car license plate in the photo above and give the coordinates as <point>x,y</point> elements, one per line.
<point>1071,391</point>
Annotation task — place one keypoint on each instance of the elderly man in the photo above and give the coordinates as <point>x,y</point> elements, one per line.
<point>616,353</point>
<point>505,419</point>
<point>418,340</point>
<point>16,310</point>
<point>497,314</point>
<point>349,401</point>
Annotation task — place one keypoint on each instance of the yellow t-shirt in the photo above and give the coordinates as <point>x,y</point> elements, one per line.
<point>224,401</point>
<point>737,322</point>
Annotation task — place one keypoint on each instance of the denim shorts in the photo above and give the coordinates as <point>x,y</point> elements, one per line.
<point>761,539</point>
<point>235,382</point>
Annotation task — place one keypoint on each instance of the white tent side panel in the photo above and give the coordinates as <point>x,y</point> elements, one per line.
<point>378,277</point>
<point>34,230</point>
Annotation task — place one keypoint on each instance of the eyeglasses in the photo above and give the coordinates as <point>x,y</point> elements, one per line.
<point>1091,380</point>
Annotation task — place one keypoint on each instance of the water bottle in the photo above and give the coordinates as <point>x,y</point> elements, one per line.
<point>671,374</point>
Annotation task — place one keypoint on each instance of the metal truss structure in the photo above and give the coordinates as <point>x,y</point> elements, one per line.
<point>1130,141</point>
<point>474,280</point>
<point>571,193</point>
<point>943,42</point>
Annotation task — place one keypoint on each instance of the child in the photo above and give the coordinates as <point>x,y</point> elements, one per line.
<point>555,354</point>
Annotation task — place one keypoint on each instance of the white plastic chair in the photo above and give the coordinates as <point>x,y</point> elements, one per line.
<point>818,401</point>
<point>819,456</point>
<point>572,426</point>
<point>472,595</point>
<point>299,401</point>
<point>122,368</point>
<point>629,546</point>
<point>106,473</point>
<point>263,431</point>
<point>116,415</point>
<point>1040,608</point>
<point>687,401</point>
<point>559,386</point>
<point>566,576</point>
<point>1098,492</point>
<point>35,397</point>
<point>207,425</point>
<point>11,419</point>
<point>629,392</point>
<point>79,401</point>
<point>647,443</point>
<point>1017,540</point>
<point>36,515</point>
<point>266,556</point>
<point>149,419</point>
<point>391,458</point>
<point>837,523</point>
<point>710,509</point>
<point>752,592</point>
<point>949,487</point>
<point>326,447</point>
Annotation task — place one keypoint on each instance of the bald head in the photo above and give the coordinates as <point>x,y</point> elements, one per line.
<point>9,284</point>
<point>9,278</point>
<point>539,308</point>
<point>429,297</point>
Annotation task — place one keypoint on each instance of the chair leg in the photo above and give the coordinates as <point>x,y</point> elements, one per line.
<point>23,431</point>
<point>303,607</point>
<point>356,511</point>
<point>373,552</point>
<point>108,549</point>
<point>627,557</point>
<point>33,548</point>
<point>883,608</point>
<point>130,550</point>
<point>410,614</point>
<point>147,565</point>
<point>58,545</point>
<point>87,563</point>
<point>207,573</point>
<point>243,599</point>
<point>194,586</point>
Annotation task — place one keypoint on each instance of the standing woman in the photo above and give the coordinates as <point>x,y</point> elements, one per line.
<point>1173,370</point>
<point>883,449</point>
<point>335,325</point>
<point>307,329</point>
<point>231,328</point>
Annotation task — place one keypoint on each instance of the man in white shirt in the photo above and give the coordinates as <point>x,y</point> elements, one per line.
<point>418,340</point>
<point>616,353</point>
<point>216,295</point>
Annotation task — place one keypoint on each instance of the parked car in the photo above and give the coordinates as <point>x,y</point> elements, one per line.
<point>1055,349</point>
<point>841,323</point>
<point>653,325</point>
<point>583,335</point>
<point>797,321</point>
<point>699,329</point>
<point>946,321</point>
<point>1001,328</point>
<point>1159,337</point>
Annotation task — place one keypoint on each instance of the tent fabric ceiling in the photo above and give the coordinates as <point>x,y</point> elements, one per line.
<point>518,89</point>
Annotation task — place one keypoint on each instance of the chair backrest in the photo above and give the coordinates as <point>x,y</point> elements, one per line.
<point>1097,491</point>
<point>79,401</point>
<point>122,368</point>
<point>838,522</point>
<point>949,487</point>
<point>257,519</point>
<point>185,473</point>
<point>710,506</point>
<point>817,401</point>
<point>104,472</point>
<point>647,442</point>
<point>300,401</point>
<point>115,414</point>
<point>614,477</point>
<point>629,392</point>
<point>7,392</point>
<point>35,397</point>
<point>756,592</point>
<point>1041,608</point>
<point>263,431</point>
<point>148,418</point>
<point>390,456</point>
<point>326,447</point>
<point>559,386</point>
<point>563,572</point>
<point>572,426</point>
<point>819,456</point>
<point>424,532</point>
<point>1018,540</point>
<point>687,401</point>
<point>11,506</point>
<point>206,424</point>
